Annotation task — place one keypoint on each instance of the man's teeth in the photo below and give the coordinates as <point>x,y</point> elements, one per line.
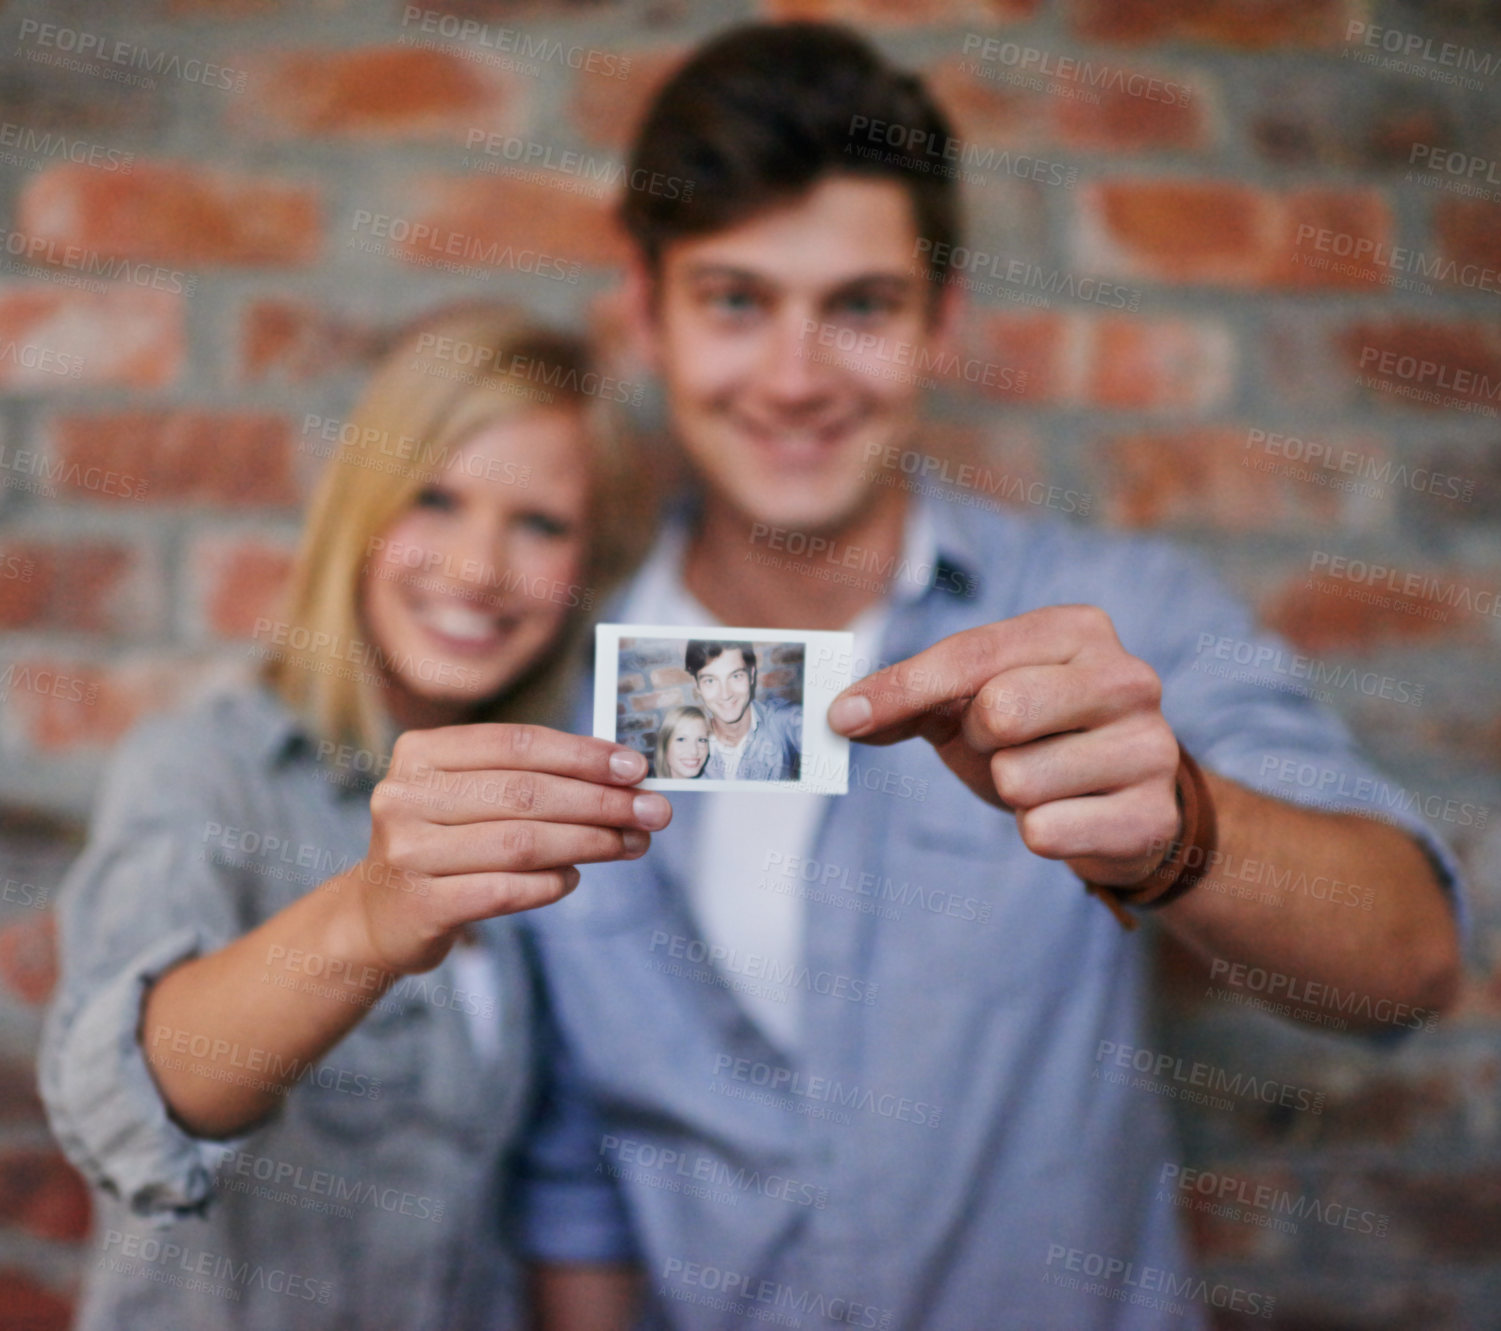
<point>457,621</point>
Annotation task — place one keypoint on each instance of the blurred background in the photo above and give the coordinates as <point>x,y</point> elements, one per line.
<point>1239,261</point>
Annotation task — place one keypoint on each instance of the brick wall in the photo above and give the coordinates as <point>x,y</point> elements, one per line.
<point>1249,250</point>
<point>652,680</point>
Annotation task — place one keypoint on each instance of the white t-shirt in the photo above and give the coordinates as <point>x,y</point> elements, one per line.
<point>731,754</point>
<point>762,930</point>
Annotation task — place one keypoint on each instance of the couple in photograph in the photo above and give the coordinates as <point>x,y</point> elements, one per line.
<point>421,1007</point>
<point>733,735</point>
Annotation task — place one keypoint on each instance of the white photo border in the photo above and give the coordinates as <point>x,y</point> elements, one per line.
<point>827,666</point>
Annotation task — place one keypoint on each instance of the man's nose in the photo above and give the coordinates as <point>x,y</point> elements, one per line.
<point>789,372</point>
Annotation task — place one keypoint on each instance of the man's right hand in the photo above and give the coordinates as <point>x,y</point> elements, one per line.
<point>482,820</point>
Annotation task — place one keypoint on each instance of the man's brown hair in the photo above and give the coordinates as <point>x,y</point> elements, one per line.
<point>762,113</point>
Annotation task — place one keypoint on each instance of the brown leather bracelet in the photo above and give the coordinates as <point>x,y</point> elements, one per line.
<point>1188,858</point>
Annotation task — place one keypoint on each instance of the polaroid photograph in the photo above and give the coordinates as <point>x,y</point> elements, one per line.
<point>725,708</point>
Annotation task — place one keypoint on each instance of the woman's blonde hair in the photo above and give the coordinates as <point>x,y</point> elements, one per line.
<point>451,376</point>
<point>674,717</point>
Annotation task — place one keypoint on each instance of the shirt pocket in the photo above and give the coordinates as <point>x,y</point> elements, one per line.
<point>993,910</point>
<point>377,1077</point>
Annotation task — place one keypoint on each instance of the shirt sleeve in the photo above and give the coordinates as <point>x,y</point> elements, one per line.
<point>567,1208</point>
<point>142,897</point>
<point>1250,706</point>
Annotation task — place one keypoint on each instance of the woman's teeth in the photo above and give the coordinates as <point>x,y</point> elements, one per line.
<point>460,622</point>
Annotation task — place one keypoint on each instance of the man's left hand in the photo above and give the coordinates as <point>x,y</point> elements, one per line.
<point>1048,717</point>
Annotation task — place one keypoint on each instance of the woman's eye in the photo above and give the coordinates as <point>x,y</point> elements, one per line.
<point>435,497</point>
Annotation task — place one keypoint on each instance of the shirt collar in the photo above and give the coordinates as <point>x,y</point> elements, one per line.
<point>719,744</point>
<point>279,730</point>
<point>939,553</point>
<point>282,737</point>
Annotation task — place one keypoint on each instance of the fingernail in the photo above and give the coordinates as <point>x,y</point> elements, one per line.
<point>652,810</point>
<point>627,765</point>
<point>850,714</point>
<point>635,842</point>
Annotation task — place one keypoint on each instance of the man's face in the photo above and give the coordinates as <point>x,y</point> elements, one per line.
<point>752,330</point>
<point>726,684</point>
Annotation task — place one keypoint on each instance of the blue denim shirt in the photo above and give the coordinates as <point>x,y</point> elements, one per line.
<point>975,1124</point>
<point>373,1197</point>
<point>773,750</point>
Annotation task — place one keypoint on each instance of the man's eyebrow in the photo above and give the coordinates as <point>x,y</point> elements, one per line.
<point>879,278</point>
<point>896,282</point>
<point>725,270</point>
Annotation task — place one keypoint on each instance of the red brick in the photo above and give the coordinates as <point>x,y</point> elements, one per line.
<point>1352,219</point>
<point>1031,344</point>
<point>1179,230</point>
<point>1323,613</point>
<point>606,107</point>
<point>239,579</point>
<point>901,13</point>
<point>28,960</point>
<point>1260,26</point>
<point>1199,477</point>
<point>1386,1108</point>
<point>1227,1238</point>
<point>172,214</point>
<point>43,1194</point>
<point>99,110</point>
<point>990,110</point>
<point>1224,233</point>
<point>475,222</point>
<point>114,697</point>
<point>670,677</point>
<point>651,702</point>
<point>1001,465</point>
<point>1123,122</point>
<point>296,341</point>
<point>1456,1216</point>
<point>188,455</point>
<point>125,335</point>
<point>1466,361</point>
<point>19,1101</point>
<point>223,9</point>
<point>1303,122</point>
<point>30,1306</point>
<point>1159,363</point>
<point>80,586</point>
<point>502,11</point>
<point>387,92</point>
<point>1469,232</point>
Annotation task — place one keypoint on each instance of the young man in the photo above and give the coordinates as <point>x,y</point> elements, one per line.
<point>749,740</point>
<point>879,1060</point>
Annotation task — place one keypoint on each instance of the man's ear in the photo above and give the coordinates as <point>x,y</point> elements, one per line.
<point>639,307</point>
<point>946,316</point>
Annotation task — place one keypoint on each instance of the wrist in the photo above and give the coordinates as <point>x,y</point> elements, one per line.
<point>348,934</point>
<point>1187,858</point>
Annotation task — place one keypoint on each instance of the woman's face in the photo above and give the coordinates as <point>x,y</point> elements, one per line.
<point>688,749</point>
<point>471,584</point>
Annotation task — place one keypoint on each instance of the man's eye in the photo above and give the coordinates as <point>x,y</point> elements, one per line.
<point>544,524</point>
<point>733,301</point>
<point>435,497</point>
<point>864,305</point>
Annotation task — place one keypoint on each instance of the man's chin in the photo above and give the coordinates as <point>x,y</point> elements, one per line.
<point>798,507</point>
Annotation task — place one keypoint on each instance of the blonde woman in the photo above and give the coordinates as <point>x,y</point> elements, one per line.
<point>294,1037</point>
<point>682,743</point>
